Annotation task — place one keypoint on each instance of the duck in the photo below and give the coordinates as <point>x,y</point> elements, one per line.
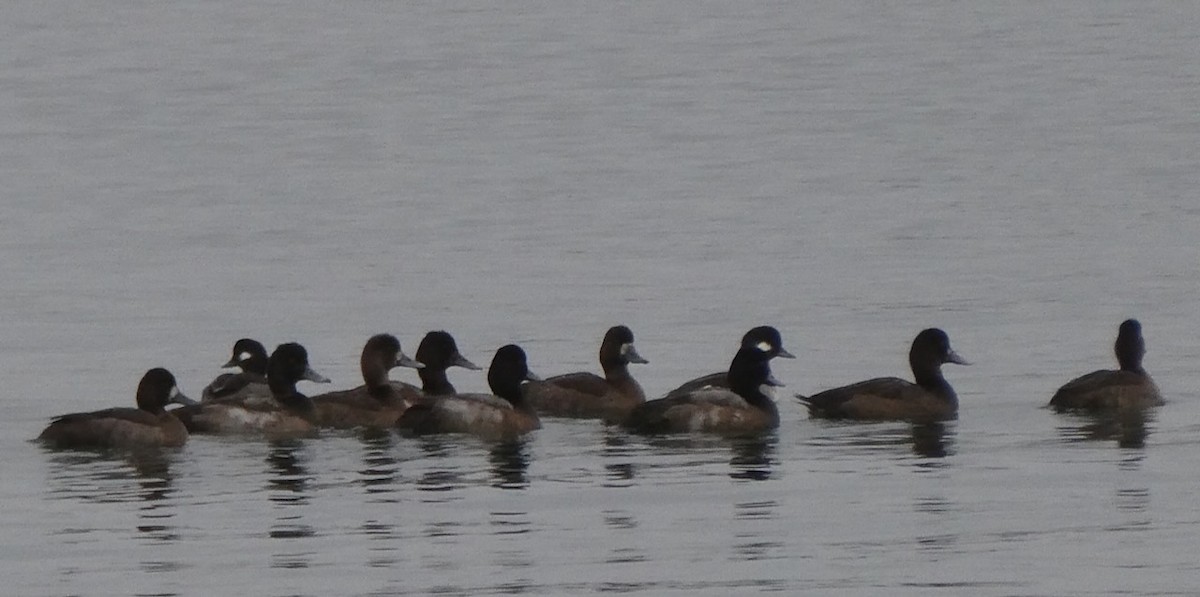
<point>503,415</point>
<point>291,414</point>
<point>586,395</point>
<point>745,408</point>
<point>148,425</point>
<point>930,399</point>
<point>437,352</point>
<point>377,403</point>
<point>250,356</point>
<point>764,338</point>
<point>1106,390</point>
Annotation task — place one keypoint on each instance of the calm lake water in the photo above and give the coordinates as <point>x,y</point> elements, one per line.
<point>178,175</point>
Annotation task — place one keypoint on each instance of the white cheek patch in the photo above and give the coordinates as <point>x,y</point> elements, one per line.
<point>175,393</point>
<point>244,356</point>
<point>763,346</point>
<point>625,348</point>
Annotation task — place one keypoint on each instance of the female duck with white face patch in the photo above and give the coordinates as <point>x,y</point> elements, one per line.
<point>763,338</point>
<point>250,356</point>
<point>746,408</point>
<point>290,415</point>
<point>587,395</point>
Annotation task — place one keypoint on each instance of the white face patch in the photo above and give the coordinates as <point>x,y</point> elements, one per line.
<point>175,393</point>
<point>763,346</point>
<point>625,348</point>
<point>244,356</point>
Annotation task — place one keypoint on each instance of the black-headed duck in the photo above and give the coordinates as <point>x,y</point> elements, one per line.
<point>892,399</point>
<point>291,414</point>
<point>437,352</point>
<point>148,425</point>
<point>504,415</point>
<point>587,395</point>
<point>251,357</point>
<point>377,403</point>
<point>746,407</point>
<point>764,338</point>
<point>1129,387</point>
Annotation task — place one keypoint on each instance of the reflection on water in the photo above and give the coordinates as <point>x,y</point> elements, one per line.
<point>288,488</point>
<point>1129,428</point>
<point>752,457</point>
<point>510,461</point>
<point>926,440</point>
<point>380,465</point>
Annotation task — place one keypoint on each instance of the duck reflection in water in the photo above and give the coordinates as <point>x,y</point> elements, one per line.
<point>1129,427</point>
<point>288,473</point>
<point>509,463</point>
<point>931,439</point>
<point>753,457</point>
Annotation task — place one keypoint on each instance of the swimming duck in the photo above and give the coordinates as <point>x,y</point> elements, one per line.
<point>764,338</point>
<point>377,403</point>
<point>746,407</point>
<point>889,398</point>
<point>587,395</point>
<point>250,356</point>
<point>437,352</point>
<point>291,415</point>
<point>1109,390</point>
<point>150,424</point>
<point>502,415</point>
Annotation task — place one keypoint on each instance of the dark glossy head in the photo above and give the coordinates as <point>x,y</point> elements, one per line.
<point>249,355</point>
<point>288,365</point>
<point>1130,347</point>
<point>617,348</point>
<point>749,371</point>
<point>766,339</point>
<point>384,350</point>
<point>439,351</point>
<point>158,389</point>
<point>931,349</point>
<point>508,369</point>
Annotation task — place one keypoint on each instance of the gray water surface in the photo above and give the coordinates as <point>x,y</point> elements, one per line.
<point>1022,174</point>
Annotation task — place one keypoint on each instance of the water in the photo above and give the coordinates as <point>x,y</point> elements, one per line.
<point>178,175</point>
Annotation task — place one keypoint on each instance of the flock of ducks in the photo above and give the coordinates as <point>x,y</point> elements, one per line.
<point>262,398</point>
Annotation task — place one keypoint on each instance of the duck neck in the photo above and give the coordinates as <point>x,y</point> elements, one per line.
<point>375,376</point>
<point>435,383</point>
<point>930,378</point>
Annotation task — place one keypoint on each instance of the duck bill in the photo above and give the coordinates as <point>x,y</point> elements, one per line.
<point>531,376</point>
<point>313,376</point>
<point>178,397</point>
<point>785,354</point>
<point>405,361</point>
<point>953,357</point>
<point>462,361</point>
<point>631,354</point>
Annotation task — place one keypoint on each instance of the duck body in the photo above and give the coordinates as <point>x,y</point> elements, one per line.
<point>590,396</point>
<point>288,414</point>
<point>1106,390</point>
<point>149,425</point>
<point>746,407</point>
<point>377,403</point>
<point>502,415</point>
<point>931,398</point>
